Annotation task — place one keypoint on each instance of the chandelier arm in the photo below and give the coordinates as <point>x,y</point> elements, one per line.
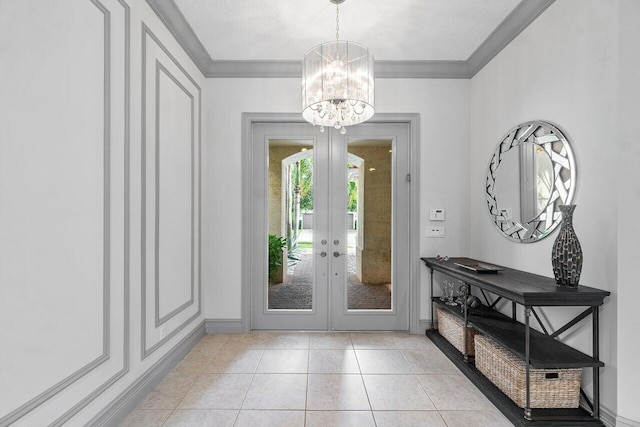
<point>357,59</point>
<point>323,56</point>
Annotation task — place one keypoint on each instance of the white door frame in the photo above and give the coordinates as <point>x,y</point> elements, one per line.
<point>413,122</point>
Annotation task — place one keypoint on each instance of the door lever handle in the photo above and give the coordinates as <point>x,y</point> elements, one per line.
<point>337,254</point>
<point>322,254</point>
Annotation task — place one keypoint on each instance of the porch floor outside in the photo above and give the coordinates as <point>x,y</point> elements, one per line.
<point>296,291</point>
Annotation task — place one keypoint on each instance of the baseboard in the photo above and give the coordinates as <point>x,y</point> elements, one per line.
<point>608,417</point>
<point>126,402</point>
<point>223,326</point>
<point>625,422</point>
<point>424,325</point>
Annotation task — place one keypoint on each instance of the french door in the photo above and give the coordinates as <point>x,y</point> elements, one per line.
<point>330,227</point>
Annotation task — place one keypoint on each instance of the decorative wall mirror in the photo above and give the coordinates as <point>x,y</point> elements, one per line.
<point>531,173</point>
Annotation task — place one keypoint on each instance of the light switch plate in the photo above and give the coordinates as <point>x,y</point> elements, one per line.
<point>436,214</point>
<point>435,231</point>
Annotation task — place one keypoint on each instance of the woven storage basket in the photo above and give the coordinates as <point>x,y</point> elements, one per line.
<point>450,327</point>
<point>549,388</point>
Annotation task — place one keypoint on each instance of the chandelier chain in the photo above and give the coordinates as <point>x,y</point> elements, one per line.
<point>337,22</point>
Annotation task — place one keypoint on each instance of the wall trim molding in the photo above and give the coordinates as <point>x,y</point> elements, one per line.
<point>524,14</point>
<point>146,31</point>
<point>413,121</point>
<point>127,191</point>
<point>125,402</point>
<point>224,326</point>
<point>60,386</point>
<point>161,320</point>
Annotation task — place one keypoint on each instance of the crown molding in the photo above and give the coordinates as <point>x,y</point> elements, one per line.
<point>254,69</point>
<point>421,70</point>
<point>176,23</point>
<point>293,69</point>
<point>524,14</point>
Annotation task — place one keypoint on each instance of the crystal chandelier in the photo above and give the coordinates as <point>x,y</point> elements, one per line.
<point>337,83</point>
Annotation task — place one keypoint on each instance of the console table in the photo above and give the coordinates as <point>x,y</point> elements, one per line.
<point>536,349</point>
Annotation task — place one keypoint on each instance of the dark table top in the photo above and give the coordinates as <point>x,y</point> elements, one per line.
<point>519,286</point>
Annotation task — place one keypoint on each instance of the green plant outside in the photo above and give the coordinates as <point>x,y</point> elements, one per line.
<point>276,246</point>
<point>352,204</point>
<point>306,184</point>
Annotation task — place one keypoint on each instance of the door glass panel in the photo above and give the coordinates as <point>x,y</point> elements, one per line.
<point>369,219</point>
<point>290,228</point>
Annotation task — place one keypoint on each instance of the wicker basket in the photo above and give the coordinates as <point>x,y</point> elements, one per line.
<point>450,327</point>
<point>549,388</point>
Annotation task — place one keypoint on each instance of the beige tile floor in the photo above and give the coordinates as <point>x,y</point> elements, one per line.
<point>315,379</point>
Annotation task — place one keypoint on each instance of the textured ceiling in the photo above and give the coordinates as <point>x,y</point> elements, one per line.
<point>237,30</point>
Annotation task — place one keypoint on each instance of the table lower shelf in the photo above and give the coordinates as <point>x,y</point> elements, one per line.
<point>545,352</point>
<point>541,417</point>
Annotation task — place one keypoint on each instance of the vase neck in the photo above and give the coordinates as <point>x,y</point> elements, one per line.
<point>567,215</point>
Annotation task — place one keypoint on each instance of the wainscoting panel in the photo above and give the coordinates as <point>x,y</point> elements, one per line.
<point>174,151</point>
<point>170,195</point>
<point>63,235</point>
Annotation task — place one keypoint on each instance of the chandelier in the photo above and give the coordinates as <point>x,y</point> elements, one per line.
<point>337,83</point>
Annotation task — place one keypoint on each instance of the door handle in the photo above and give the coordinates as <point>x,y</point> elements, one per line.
<point>337,254</point>
<point>322,254</point>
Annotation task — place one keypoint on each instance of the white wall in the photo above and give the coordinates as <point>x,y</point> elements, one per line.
<point>562,69</point>
<point>76,331</point>
<point>628,185</point>
<point>444,129</point>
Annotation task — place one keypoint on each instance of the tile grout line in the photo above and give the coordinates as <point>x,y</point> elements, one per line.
<point>253,375</point>
<point>363,383</point>
<point>421,385</point>
<point>306,394</point>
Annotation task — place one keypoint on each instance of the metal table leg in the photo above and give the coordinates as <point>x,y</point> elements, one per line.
<point>596,355</point>
<point>465,294</point>
<point>433,306</point>
<point>527,347</point>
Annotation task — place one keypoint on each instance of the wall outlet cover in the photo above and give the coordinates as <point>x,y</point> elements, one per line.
<point>435,231</point>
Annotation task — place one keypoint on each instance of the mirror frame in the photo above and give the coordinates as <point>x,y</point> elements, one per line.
<point>563,163</point>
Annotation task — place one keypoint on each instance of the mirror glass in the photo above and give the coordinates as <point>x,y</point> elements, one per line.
<point>530,174</point>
